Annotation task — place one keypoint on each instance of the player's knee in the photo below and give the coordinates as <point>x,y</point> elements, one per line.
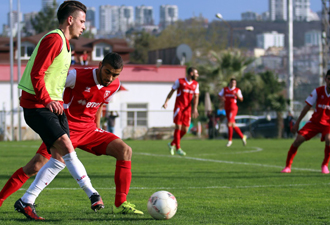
<point>126,153</point>
<point>63,145</point>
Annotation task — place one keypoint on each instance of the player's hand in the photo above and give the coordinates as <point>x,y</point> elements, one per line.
<point>165,105</point>
<point>55,107</point>
<point>295,128</point>
<point>195,113</point>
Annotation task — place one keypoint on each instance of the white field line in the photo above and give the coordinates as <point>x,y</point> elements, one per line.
<point>222,161</point>
<point>257,149</point>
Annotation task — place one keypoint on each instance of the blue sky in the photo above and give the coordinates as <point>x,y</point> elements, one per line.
<point>230,10</point>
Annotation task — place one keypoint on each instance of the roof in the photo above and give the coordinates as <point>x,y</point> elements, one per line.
<point>130,73</point>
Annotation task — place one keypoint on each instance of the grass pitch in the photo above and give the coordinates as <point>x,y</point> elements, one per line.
<point>213,184</point>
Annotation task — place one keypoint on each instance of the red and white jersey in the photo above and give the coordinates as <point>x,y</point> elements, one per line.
<point>321,99</point>
<point>230,96</point>
<point>185,92</point>
<point>83,96</point>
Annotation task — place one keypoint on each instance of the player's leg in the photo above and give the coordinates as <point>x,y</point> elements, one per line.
<point>306,133</point>
<point>230,121</point>
<point>325,163</point>
<point>19,178</point>
<point>99,142</point>
<point>177,117</point>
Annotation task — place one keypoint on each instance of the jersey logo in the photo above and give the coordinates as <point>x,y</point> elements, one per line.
<point>82,102</point>
<point>107,94</point>
<point>88,89</point>
<point>93,104</point>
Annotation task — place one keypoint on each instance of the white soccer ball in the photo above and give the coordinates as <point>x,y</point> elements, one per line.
<point>162,205</point>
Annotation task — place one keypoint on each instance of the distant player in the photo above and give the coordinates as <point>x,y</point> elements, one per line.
<point>187,91</point>
<point>86,90</point>
<point>229,96</point>
<point>318,123</point>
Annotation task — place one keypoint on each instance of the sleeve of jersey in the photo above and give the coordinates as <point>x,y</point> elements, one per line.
<point>71,79</point>
<point>49,48</point>
<point>197,89</point>
<point>239,93</point>
<point>176,85</point>
<point>311,99</point>
<point>221,92</point>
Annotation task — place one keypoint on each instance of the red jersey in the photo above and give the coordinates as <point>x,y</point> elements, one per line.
<point>321,99</point>
<point>50,47</point>
<point>83,96</point>
<point>185,92</point>
<point>230,96</point>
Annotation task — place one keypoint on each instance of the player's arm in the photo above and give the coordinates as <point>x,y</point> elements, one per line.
<point>301,116</point>
<point>239,95</point>
<point>98,116</point>
<point>195,104</point>
<point>49,48</point>
<point>168,98</point>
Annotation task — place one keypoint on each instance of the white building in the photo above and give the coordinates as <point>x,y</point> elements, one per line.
<point>277,10</point>
<point>90,16</point>
<point>109,22</point>
<point>126,18</point>
<point>313,38</point>
<point>168,15</point>
<point>144,15</point>
<point>273,39</point>
<point>27,21</point>
<point>250,16</point>
<point>301,9</point>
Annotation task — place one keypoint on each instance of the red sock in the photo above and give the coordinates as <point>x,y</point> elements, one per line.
<point>326,156</point>
<point>176,139</point>
<point>291,154</point>
<point>123,176</point>
<point>238,131</point>
<point>14,183</point>
<point>182,133</point>
<point>230,133</point>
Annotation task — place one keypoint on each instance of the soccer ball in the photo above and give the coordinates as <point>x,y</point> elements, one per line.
<point>162,205</point>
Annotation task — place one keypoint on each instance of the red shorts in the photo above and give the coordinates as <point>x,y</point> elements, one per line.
<point>91,140</point>
<point>231,114</point>
<point>182,117</point>
<point>311,129</point>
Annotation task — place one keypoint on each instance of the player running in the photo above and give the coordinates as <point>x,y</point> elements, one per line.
<point>229,96</point>
<point>86,90</point>
<point>318,123</point>
<point>187,90</point>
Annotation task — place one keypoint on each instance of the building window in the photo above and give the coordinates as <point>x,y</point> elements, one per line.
<point>101,50</point>
<point>137,114</point>
<point>26,50</point>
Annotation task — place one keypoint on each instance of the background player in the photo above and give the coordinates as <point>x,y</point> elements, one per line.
<point>42,87</point>
<point>318,123</point>
<point>229,96</point>
<point>81,107</point>
<point>187,90</point>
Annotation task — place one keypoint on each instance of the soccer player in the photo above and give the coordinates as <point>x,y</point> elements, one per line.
<point>42,87</point>
<point>86,90</point>
<point>187,90</point>
<point>229,95</point>
<point>318,123</point>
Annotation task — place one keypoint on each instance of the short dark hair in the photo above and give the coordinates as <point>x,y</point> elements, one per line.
<point>190,69</point>
<point>328,73</point>
<point>233,78</point>
<point>113,59</point>
<point>67,8</point>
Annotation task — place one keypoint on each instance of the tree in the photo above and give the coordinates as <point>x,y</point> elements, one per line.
<point>142,41</point>
<point>45,20</point>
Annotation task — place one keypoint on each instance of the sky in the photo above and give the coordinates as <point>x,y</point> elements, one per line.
<point>230,10</point>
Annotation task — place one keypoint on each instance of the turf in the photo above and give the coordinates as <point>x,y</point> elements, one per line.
<point>213,184</point>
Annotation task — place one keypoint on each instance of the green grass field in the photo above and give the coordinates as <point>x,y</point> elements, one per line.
<point>213,184</point>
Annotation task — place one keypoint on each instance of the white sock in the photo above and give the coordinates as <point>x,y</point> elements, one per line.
<point>78,172</point>
<point>45,175</point>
